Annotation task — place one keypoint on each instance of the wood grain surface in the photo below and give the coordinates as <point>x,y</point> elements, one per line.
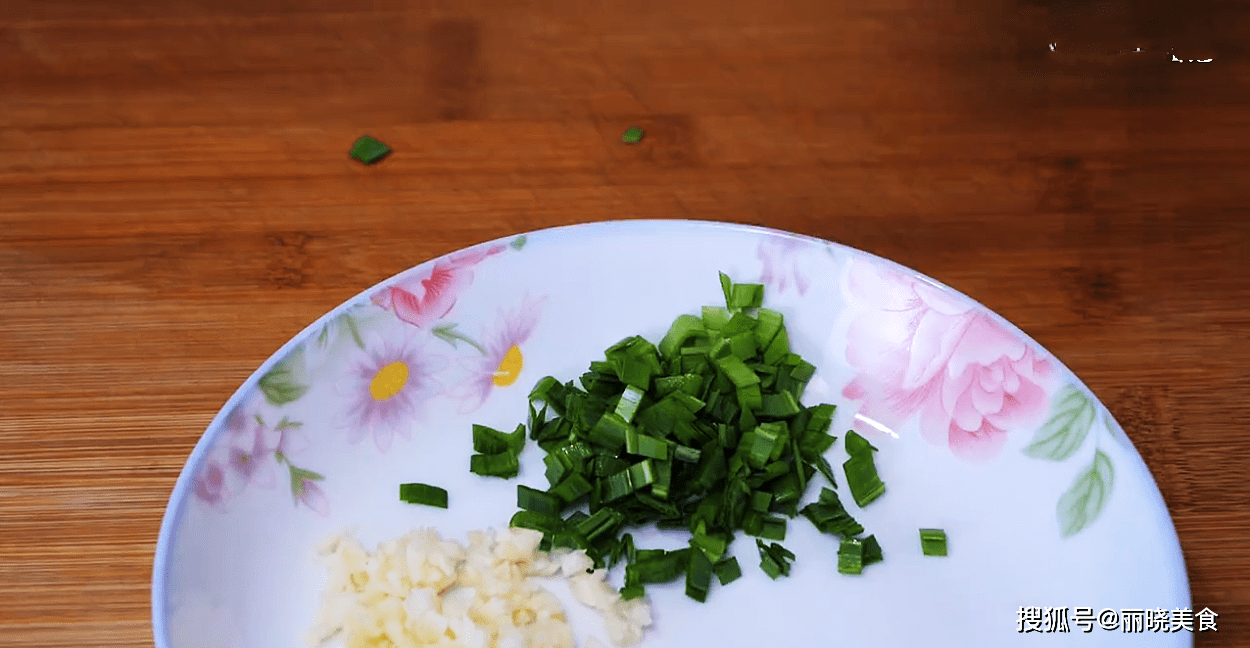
<point>176,202</point>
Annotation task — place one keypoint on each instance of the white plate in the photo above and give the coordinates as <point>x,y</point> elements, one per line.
<point>981,432</point>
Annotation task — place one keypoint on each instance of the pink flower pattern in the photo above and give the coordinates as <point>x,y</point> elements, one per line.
<point>514,329</point>
<point>308,493</point>
<point>383,416</point>
<point>249,453</point>
<point>917,349</point>
<point>779,256</point>
<point>423,298</point>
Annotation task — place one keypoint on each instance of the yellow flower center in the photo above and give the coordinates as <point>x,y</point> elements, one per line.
<point>389,380</point>
<point>509,368</point>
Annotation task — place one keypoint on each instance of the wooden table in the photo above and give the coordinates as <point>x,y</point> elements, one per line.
<point>176,201</point>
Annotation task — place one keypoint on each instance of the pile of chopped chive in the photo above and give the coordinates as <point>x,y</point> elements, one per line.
<point>704,433</point>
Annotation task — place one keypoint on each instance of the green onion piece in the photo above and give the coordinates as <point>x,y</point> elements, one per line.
<point>749,399</point>
<point>857,446</point>
<point>683,328</point>
<point>742,345</point>
<point>686,401</point>
<point>825,469</point>
<point>715,318</point>
<point>737,372</point>
<point>573,488</point>
<point>803,370</point>
<point>768,323</point>
<point>746,296</point>
<point>815,444</point>
<point>829,516</point>
<point>641,474</point>
<point>727,287</point>
<point>738,324</point>
<point>537,420</point>
<point>488,440</point>
<point>657,566</point>
<point>774,528</point>
<point>778,348</point>
<point>631,592</point>
<point>632,135</point>
<point>779,406</point>
<point>861,476</point>
<point>821,418</point>
<point>645,446</point>
<point>369,150</point>
<point>713,545</point>
<point>616,486</point>
<point>686,454</point>
<point>759,445</point>
<point>628,405</point>
<point>635,361</point>
<point>603,521</point>
<point>727,570</point>
<point>851,556</point>
<point>501,464</point>
<point>933,542</point>
<point>530,499</point>
<point>611,431</point>
<point>603,465</point>
<point>698,576</point>
<point>760,501</point>
<point>556,469</point>
<point>663,478</point>
<point>551,392</point>
<point>872,551</point>
<point>423,494</point>
<point>536,521</point>
<point>774,559</point>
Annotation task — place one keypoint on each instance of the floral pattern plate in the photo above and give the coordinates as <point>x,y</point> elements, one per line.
<point>982,433</point>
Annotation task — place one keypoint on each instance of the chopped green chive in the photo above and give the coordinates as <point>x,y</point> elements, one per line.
<point>872,551</point>
<point>628,404</point>
<point>774,559</point>
<point>660,567</point>
<point>537,501</point>
<point>537,521</point>
<point>857,445</point>
<point>632,135</point>
<point>933,542</point>
<point>369,150</point>
<point>851,556</point>
<point>491,441</point>
<point>423,494</point>
<point>727,570</point>
<point>698,576</point>
<point>829,516</point>
<point>861,471</point>
<point>502,464</point>
<point>703,432</point>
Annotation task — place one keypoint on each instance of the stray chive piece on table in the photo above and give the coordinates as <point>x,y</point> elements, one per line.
<point>369,150</point>
<point>633,135</point>
<point>933,542</point>
<point>423,494</point>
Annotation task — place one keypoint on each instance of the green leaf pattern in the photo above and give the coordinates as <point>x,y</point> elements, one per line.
<point>1064,433</point>
<point>1084,501</point>
<point>1071,419</point>
<point>284,383</point>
